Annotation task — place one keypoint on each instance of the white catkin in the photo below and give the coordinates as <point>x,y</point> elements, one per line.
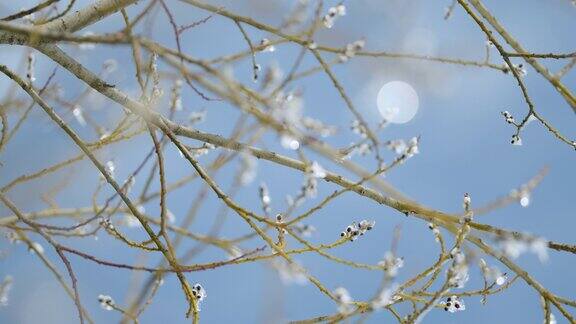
<point>30,75</point>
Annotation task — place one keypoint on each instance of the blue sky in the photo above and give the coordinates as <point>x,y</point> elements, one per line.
<point>464,148</point>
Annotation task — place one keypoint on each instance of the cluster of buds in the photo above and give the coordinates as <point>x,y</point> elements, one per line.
<point>157,91</point>
<point>106,224</point>
<point>521,70</point>
<point>435,231</point>
<point>106,302</point>
<point>468,213</point>
<point>281,230</point>
<point>333,14</point>
<point>362,149</point>
<point>256,69</point>
<point>398,146</point>
<point>358,128</point>
<point>266,46</point>
<point>351,50</point>
<point>412,147</point>
<point>454,304</point>
<point>357,229</point>
<point>280,219</point>
<point>516,140</point>
<point>405,149</point>
<point>508,117</point>
<point>199,293</point>
<point>467,201</point>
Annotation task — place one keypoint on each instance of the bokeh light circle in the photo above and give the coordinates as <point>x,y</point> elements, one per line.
<point>397,102</point>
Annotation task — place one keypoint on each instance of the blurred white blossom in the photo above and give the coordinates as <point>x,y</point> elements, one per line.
<point>290,272</point>
<point>458,272</point>
<point>513,247</point>
<point>5,287</point>
<point>333,14</point>
<point>248,168</point>
<point>106,302</point>
<point>317,170</point>
<point>391,264</point>
<point>345,305</point>
<point>386,297</point>
<point>305,229</point>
